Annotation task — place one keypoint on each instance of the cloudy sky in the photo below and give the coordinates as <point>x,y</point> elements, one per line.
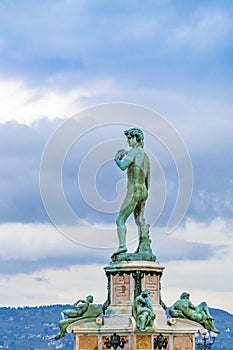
<point>59,58</point>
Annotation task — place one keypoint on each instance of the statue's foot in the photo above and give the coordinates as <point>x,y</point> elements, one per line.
<point>213,329</point>
<point>120,250</point>
<point>59,336</point>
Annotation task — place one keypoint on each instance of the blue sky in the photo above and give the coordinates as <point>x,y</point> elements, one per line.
<point>58,58</point>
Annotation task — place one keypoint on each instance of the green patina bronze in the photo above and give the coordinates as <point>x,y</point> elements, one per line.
<point>137,164</point>
<point>137,275</point>
<point>142,311</point>
<point>82,309</point>
<point>183,308</point>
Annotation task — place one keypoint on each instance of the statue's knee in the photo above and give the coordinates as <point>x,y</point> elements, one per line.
<point>203,305</point>
<point>120,222</point>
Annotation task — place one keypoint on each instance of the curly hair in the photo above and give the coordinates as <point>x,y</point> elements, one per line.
<point>137,133</point>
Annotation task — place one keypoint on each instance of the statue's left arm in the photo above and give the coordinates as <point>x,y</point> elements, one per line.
<point>124,160</point>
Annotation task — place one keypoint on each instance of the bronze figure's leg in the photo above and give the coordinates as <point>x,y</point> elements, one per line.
<point>126,209</point>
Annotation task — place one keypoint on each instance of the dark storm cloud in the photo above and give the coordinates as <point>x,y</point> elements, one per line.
<point>21,148</point>
<point>40,40</point>
<point>13,267</point>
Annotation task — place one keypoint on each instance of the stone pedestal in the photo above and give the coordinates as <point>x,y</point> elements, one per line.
<point>126,280</point>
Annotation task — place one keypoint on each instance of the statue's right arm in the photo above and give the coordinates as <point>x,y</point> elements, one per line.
<point>192,306</point>
<point>79,301</point>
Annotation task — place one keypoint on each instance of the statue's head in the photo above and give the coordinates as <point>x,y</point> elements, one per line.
<point>184,295</point>
<point>145,293</point>
<point>134,132</point>
<point>90,298</point>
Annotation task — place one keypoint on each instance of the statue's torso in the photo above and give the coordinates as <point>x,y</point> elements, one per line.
<point>138,172</point>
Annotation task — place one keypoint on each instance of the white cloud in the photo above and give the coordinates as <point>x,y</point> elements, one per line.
<point>206,280</point>
<point>34,242</point>
<point>219,233</point>
<point>53,286</point>
<point>26,104</point>
<point>40,241</point>
<point>204,29</point>
<point>62,96</point>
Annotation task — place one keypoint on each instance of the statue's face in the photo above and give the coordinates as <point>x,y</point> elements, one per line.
<point>132,141</point>
<point>90,299</point>
<point>146,293</point>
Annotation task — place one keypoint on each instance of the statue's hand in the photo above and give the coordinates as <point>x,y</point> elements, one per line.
<point>121,153</point>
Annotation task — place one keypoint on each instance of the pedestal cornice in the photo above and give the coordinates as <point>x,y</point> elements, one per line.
<point>128,266</point>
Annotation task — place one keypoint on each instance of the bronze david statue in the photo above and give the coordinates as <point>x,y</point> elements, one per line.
<point>137,164</point>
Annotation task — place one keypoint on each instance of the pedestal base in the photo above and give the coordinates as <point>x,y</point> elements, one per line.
<point>116,329</point>
<point>179,335</point>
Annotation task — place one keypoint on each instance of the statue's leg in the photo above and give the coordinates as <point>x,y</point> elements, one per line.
<point>139,216</point>
<point>209,324</point>
<point>143,229</point>
<point>150,319</point>
<point>208,320</point>
<point>126,209</point>
<point>69,313</point>
<point>204,309</point>
<point>121,231</point>
<point>137,221</point>
<point>136,213</point>
<point>138,321</point>
<point>144,317</point>
<point>65,313</point>
<point>62,325</point>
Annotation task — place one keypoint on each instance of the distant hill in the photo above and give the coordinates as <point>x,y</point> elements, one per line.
<point>224,323</point>
<point>34,328</point>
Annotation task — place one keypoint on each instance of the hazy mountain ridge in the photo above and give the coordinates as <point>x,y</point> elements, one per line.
<point>34,328</point>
